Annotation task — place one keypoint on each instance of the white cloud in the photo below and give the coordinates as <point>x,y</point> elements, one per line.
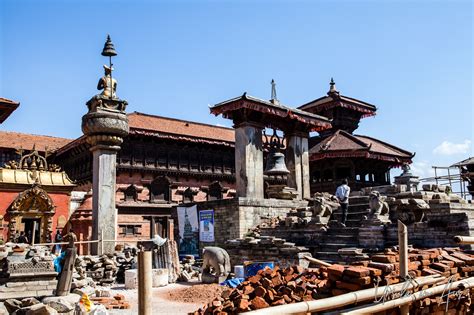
<point>449,148</point>
<point>423,169</point>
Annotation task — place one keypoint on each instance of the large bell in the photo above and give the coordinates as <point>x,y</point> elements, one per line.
<point>109,49</point>
<point>276,164</point>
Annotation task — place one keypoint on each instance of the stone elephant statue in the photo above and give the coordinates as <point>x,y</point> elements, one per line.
<point>218,259</point>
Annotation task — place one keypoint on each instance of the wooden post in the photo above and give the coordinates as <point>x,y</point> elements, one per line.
<point>144,283</point>
<point>102,242</point>
<point>33,234</point>
<point>403,252</point>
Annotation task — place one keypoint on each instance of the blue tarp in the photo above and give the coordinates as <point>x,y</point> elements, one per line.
<point>58,266</point>
<point>233,283</point>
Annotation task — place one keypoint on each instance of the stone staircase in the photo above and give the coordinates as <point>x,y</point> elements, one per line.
<point>338,237</point>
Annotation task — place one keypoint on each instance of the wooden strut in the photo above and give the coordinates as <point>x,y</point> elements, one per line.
<point>345,299</point>
<point>403,253</point>
<point>317,261</point>
<point>464,239</point>
<point>444,289</point>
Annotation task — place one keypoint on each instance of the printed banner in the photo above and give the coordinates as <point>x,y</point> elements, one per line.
<point>206,225</point>
<point>188,231</point>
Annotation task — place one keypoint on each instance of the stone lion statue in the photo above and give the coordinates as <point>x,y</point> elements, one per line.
<point>378,205</point>
<point>324,204</point>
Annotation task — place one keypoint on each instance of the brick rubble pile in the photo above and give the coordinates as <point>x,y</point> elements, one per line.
<point>271,287</point>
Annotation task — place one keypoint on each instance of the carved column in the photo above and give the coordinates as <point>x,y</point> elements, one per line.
<point>105,125</point>
<point>249,160</point>
<point>297,161</point>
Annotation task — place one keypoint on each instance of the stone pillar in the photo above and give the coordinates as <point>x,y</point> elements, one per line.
<point>105,125</point>
<point>297,162</point>
<point>104,213</point>
<point>249,160</point>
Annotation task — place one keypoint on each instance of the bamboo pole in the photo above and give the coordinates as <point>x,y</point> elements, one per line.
<point>403,252</point>
<point>445,289</point>
<point>345,299</point>
<point>464,239</point>
<point>317,261</point>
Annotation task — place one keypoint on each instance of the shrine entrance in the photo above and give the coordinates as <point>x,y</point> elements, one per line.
<point>31,227</point>
<point>32,212</point>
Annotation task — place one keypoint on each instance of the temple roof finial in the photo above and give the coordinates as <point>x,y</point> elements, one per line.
<point>274,98</point>
<point>332,87</point>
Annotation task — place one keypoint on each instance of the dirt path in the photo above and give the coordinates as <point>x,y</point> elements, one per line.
<point>176,298</point>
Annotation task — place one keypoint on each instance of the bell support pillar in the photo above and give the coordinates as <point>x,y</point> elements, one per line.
<point>249,160</point>
<point>297,161</point>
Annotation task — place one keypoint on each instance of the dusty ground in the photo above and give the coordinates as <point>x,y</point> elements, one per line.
<point>176,298</point>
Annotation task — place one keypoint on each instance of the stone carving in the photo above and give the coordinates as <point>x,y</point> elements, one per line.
<point>216,265</point>
<point>323,206</point>
<point>35,198</point>
<point>378,205</point>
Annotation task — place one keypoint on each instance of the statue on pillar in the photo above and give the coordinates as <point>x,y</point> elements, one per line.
<point>107,83</point>
<point>105,125</point>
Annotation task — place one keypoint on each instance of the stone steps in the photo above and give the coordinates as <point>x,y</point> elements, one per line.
<point>334,247</point>
<point>338,237</point>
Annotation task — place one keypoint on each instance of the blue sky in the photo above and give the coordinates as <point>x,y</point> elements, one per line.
<point>413,59</point>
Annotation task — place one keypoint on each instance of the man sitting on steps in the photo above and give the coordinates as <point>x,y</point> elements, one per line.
<point>342,194</point>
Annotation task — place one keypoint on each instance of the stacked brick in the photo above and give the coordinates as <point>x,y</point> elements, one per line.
<point>265,248</point>
<point>116,302</point>
<point>271,287</point>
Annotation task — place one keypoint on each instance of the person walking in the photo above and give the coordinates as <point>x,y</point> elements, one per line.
<point>342,194</point>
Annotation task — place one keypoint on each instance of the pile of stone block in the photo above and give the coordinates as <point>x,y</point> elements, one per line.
<point>125,260</point>
<point>101,269</point>
<point>190,269</point>
<point>46,306</point>
<point>279,286</point>
<point>265,248</point>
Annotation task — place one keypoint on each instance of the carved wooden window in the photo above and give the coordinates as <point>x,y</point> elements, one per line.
<point>184,159</point>
<point>130,229</point>
<point>194,160</point>
<point>207,162</point>
<point>228,162</point>
<point>138,152</point>
<point>125,154</point>
<point>162,157</point>
<point>150,155</point>
<point>173,158</point>
<point>160,190</point>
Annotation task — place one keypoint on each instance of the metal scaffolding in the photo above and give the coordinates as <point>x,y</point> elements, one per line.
<point>451,176</point>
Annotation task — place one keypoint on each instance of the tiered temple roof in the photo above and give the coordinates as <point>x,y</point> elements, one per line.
<point>6,108</point>
<point>344,144</point>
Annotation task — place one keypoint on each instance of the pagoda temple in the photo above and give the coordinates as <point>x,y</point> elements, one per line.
<point>338,153</point>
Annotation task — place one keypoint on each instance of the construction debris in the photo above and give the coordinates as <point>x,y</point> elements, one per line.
<point>272,287</point>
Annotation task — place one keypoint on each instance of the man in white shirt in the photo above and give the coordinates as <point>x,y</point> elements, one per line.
<point>342,194</point>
